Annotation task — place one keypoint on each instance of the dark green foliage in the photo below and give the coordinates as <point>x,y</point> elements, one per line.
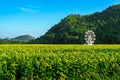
<point>11,41</point>
<point>71,29</point>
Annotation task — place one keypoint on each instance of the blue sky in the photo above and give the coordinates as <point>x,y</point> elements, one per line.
<point>35,17</point>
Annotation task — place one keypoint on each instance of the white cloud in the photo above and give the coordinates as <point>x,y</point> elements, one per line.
<point>32,6</point>
<point>28,9</point>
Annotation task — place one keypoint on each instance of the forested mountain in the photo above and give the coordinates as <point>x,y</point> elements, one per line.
<point>72,28</point>
<point>24,38</point>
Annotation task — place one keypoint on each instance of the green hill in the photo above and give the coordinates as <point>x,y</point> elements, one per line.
<point>72,28</point>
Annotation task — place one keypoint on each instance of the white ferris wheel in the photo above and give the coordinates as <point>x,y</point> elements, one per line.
<point>90,37</point>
